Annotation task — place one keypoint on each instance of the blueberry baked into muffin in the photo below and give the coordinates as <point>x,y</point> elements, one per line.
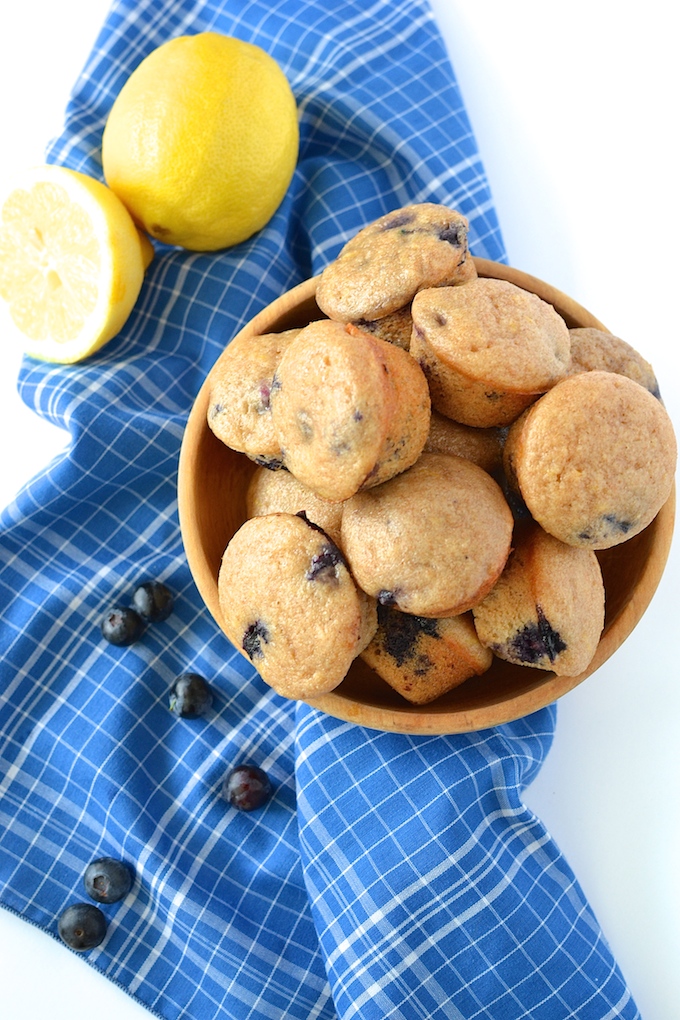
<point>547,609</point>
<point>422,657</point>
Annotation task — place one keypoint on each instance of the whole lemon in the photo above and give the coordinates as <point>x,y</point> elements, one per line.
<point>202,141</point>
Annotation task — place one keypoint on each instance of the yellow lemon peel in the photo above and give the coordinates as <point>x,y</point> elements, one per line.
<point>202,141</point>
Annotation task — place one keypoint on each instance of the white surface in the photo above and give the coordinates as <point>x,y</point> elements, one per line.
<point>575,111</point>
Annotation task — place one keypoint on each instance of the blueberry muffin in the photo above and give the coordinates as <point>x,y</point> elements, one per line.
<point>289,604</point>
<point>381,268</point>
<point>432,541</point>
<point>423,658</point>
<point>349,410</point>
<point>239,410</point>
<point>594,350</point>
<point>272,492</point>
<point>593,459</point>
<point>488,349</point>
<point>547,609</point>
<point>482,446</point>
<point>395,328</point>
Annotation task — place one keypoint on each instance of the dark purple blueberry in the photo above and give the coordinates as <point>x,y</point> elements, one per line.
<point>107,880</point>
<point>618,524</point>
<point>302,514</point>
<point>456,235</point>
<point>247,787</point>
<point>122,625</point>
<point>537,640</point>
<point>518,507</point>
<point>190,696</point>
<point>153,601</point>
<point>401,631</point>
<point>270,463</point>
<point>324,565</point>
<point>607,524</point>
<point>387,597</point>
<point>255,634</point>
<point>397,220</point>
<point>82,926</point>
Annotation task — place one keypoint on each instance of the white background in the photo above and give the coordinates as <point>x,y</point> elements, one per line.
<point>575,108</point>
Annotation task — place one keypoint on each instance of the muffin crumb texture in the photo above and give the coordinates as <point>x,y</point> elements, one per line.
<point>437,461</point>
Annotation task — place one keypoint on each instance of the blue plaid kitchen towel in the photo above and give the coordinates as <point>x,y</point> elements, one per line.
<point>389,876</point>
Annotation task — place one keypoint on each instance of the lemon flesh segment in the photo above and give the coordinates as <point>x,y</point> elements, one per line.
<point>71,263</point>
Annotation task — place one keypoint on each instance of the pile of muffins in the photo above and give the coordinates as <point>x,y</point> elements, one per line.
<point>437,462</point>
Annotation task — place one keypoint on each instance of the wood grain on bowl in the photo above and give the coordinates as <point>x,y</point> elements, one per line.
<point>212,484</point>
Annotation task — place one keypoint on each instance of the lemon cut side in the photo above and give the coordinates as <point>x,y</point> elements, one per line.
<point>71,262</point>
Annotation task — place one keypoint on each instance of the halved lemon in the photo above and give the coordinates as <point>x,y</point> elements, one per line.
<point>71,262</point>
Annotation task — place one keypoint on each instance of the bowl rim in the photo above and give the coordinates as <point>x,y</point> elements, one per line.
<point>425,719</point>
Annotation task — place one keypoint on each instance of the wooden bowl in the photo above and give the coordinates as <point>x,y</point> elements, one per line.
<point>212,485</point>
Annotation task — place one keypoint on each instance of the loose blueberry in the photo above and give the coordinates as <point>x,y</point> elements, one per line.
<point>247,787</point>
<point>190,696</point>
<point>82,926</point>
<point>122,625</point>
<point>153,601</point>
<point>107,880</point>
